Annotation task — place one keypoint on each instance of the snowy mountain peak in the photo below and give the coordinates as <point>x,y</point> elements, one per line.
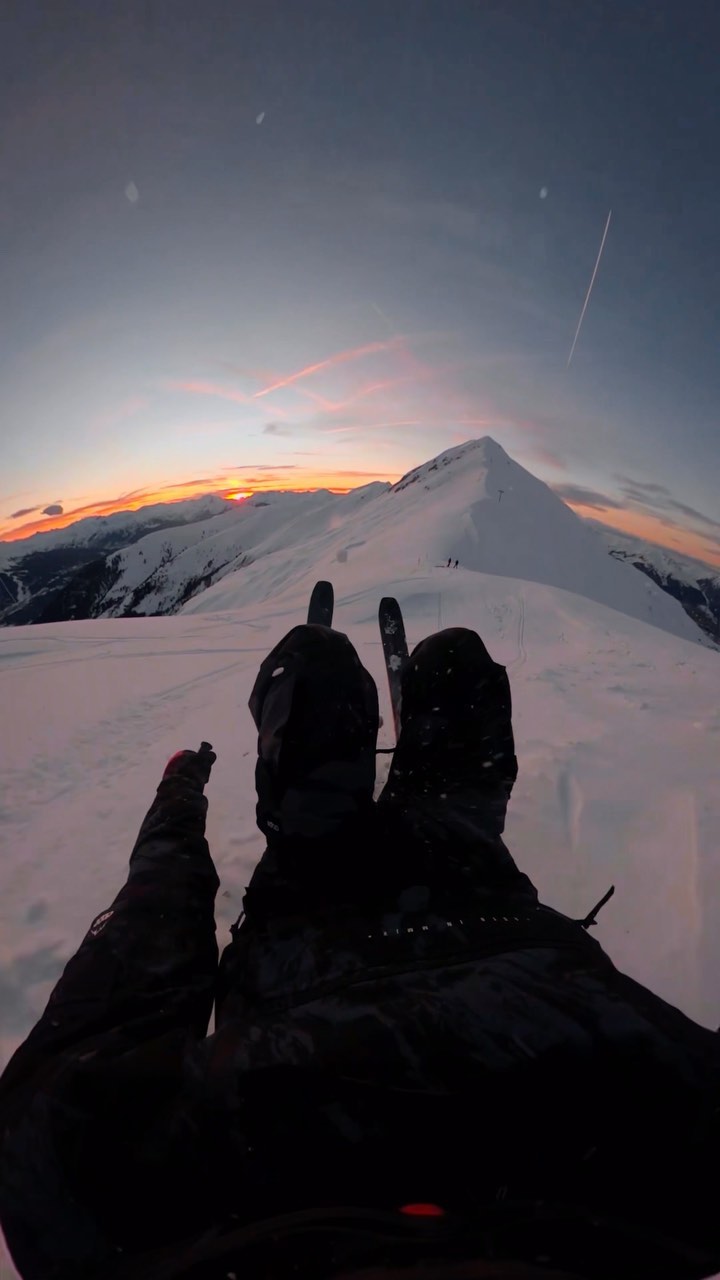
<point>483,456</point>
<point>472,503</point>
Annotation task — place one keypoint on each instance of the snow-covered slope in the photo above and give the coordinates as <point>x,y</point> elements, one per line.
<point>161,571</point>
<point>617,731</point>
<point>158,572</point>
<point>695,584</point>
<point>61,569</point>
<point>121,526</point>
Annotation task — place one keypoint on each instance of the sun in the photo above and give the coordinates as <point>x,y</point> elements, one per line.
<point>238,497</point>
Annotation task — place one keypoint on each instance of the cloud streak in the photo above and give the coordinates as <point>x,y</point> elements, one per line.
<point>578,494</point>
<point>648,511</point>
<point>641,484</point>
<point>659,500</point>
<point>653,500</point>
<point>332,362</point>
<point>199,387</point>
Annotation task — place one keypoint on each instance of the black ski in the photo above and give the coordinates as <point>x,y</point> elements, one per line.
<point>322,603</point>
<point>395,651</point>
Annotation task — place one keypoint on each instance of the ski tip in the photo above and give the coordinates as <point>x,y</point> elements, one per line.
<point>322,604</point>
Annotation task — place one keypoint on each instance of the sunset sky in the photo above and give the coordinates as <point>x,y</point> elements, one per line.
<point>252,244</point>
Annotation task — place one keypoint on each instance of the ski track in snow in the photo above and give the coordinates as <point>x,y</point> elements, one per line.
<point>521,656</point>
<point>570,799</point>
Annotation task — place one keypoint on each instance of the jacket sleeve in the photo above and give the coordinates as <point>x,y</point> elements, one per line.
<point>148,963</point>
<point>101,1072</point>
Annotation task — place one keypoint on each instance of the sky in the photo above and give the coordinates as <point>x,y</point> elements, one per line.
<point>290,245</point>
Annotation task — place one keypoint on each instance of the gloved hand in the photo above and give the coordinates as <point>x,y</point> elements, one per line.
<point>195,765</point>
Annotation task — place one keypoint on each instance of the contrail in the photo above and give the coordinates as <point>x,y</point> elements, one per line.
<point>587,296</point>
<point>383,317</point>
<point>342,357</point>
<point>197,388</point>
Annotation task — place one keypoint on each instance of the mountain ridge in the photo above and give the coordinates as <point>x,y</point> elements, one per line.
<point>471,503</point>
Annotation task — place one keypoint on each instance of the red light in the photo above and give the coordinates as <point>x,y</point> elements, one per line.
<point>423,1210</point>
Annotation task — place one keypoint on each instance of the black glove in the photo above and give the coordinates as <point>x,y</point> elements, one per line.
<point>195,765</point>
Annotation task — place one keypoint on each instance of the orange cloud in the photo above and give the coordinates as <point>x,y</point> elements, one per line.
<point>662,532</point>
<point>229,485</point>
<point>107,506</point>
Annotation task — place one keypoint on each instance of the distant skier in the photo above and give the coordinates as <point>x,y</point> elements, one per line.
<point>447,566</point>
<point>400,1027</point>
<point>456,564</point>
